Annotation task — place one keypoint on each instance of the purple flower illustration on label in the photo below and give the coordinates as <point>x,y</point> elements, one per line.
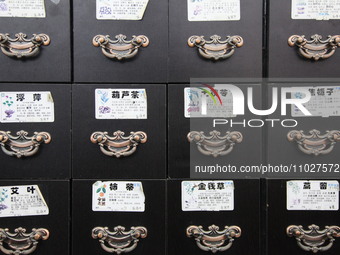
<point>9,113</point>
<point>3,196</point>
<point>104,109</point>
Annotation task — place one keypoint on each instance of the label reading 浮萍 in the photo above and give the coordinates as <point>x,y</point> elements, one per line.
<point>121,104</point>
<point>313,195</point>
<point>16,107</point>
<point>316,9</point>
<point>205,103</point>
<point>207,195</point>
<point>325,102</point>
<point>21,200</point>
<point>121,9</point>
<point>22,8</point>
<point>118,196</point>
<point>214,10</point>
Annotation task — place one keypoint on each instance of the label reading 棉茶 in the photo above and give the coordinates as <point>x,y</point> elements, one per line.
<point>16,107</point>
<point>214,10</point>
<point>121,104</point>
<point>316,9</point>
<point>207,195</point>
<point>204,103</point>
<point>16,201</point>
<point>313,195</point>
<point>22,8</point>
<point>118,196</point>
<point>121,9</point>
<point>325,102</point>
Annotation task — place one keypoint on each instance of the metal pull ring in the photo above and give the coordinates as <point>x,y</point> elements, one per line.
<point>119,241</point>
<point>216,49</point>
<point>22,145</point>
<point>214,240</point>
<point>316,48</point>
<point>118,145</point>
<point>120,48</point>
<point>21,242</point>
<point>314,239</point>
<point>215,145</point>
<point>20,46</point>
<point>314,143</point>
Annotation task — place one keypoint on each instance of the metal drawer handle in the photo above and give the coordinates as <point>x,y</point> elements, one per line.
<point>20,46</point>
<point>316,48</point>
<point>118,145</point>
<point>216,48</point>
<point>120,48</point>
<point>314,143</point>
<point>22,145</point>
<point>314,239</point>
<point>21,242</point>
<point>214,240</point>
<point>215,145</point>
<point>119,241</point>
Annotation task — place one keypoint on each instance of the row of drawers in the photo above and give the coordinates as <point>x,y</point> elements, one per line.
<point>167,58</point>
<point>263,219</point>
<point>166,150</point>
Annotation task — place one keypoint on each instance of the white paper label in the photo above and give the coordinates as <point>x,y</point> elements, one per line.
<point>26,106</point>
<point>21,200</point>
<point>207,196</point>
<point>214,10</point>
<point>22,8</point>
<point>121,104</point>
<point>205,103</point>
<point>316,9</point>
<point>325,102</point>
<point>313,195</point>
<point>121,9</point>
<point>118,196</point>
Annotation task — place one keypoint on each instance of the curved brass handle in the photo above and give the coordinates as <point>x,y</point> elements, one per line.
<point>119,241</point>
<point>215,145</point>
<point>21,242</point>
<point>22,145</point>
<point>118,145</point>
<point>314,239</point>
<point>316,48</point>
<point>216,48</point>
<point>214,240</point>
<point>20,46</point>
<point>120,48</point>
<point>314,143</point>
